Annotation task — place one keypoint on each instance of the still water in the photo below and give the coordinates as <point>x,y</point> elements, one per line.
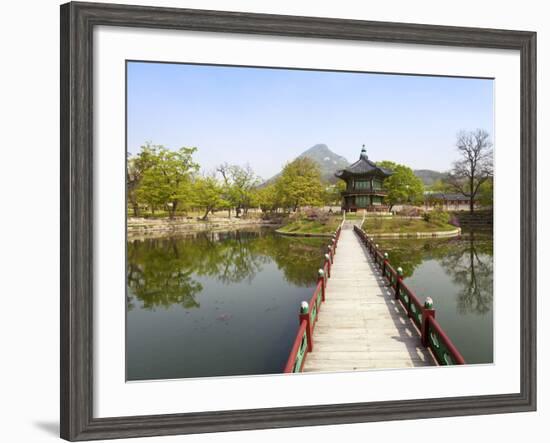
<point>458,275</point>
<point>217,303</point>
<point>220,304</point>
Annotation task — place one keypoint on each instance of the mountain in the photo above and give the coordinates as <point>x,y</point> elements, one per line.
<point>328,162</point>
<point>428,176</point>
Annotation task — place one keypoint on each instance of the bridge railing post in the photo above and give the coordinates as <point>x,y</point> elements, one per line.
<point>398,281</point>
<point>321,279</point>
<point>427,312</point>
<point>305,316</point>
<point>384,265</point>
<point>327,262</point>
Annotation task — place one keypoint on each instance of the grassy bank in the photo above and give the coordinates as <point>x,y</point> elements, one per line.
<point>398,225</point>
<point>306,226</point>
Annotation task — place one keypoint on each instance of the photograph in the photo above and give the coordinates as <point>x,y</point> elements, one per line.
<point>286,220</point>
<point>276,221</point>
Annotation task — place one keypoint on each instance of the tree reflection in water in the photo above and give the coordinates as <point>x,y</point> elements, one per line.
<point>470,266</point>
<point>163,272</point>
<point>467,260</point>
<point>157,275</point>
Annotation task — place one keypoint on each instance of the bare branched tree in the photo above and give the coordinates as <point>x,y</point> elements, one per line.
<point>475,165</point>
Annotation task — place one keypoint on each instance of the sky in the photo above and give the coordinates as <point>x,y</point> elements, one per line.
<point>266,117</point>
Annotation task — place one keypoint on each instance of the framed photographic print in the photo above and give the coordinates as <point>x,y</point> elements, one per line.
<point>272,221</point>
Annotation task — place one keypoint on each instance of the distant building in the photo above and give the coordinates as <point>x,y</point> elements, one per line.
<point>447,201</point>
<point>363,185</point>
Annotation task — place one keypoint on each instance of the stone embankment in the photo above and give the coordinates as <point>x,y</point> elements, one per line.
<point>481,219</point>
<point>146,227</point>
<point>452,233</point>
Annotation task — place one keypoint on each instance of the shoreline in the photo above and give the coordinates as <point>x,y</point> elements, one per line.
<point>434,234</point>
<point>304,234</point>
<point>146,228</point>
<point>140,228</point>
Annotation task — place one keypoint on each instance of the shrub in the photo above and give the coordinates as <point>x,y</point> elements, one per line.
<point>437,216</point>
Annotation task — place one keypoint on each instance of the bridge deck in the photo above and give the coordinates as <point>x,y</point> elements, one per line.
<point>361,325</point>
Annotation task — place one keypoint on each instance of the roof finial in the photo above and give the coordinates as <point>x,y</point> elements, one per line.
<point>363,153</point>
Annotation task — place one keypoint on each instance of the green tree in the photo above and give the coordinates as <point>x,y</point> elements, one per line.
<point>133,179</point>
<point>167,180</point>
<point>333,193</point>
<point>266,198</point>
<point>207,193</point>
<point>440,186</point>
<point>239,185</point>
<point>300,184</point>
<point>402,186</point>
<point>135,169</point>
<point>244,183</point>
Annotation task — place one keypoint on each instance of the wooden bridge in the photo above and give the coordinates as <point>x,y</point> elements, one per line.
<point>363,316</point>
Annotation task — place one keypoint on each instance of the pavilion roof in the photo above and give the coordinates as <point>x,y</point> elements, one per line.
<point>363,166</point>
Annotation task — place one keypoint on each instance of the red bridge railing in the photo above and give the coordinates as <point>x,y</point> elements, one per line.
<point>423,315</point>
<point>309,312</point>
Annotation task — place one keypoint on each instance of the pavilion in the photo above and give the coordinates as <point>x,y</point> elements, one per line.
<point>363,185</point>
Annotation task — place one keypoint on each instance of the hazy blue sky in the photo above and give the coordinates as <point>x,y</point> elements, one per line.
<point>266,117</point>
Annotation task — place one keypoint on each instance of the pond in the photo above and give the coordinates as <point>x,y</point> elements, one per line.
<point>458,275</point>
<point>217,303</point>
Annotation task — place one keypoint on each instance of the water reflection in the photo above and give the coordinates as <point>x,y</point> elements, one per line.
<point>216,304</point>
<point>163,272</point>
<point>470,265</point>
<point>467,260</point>
<point>458,275</point>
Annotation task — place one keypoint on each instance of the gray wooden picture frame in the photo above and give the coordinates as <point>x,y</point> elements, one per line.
<point>77,23</point>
